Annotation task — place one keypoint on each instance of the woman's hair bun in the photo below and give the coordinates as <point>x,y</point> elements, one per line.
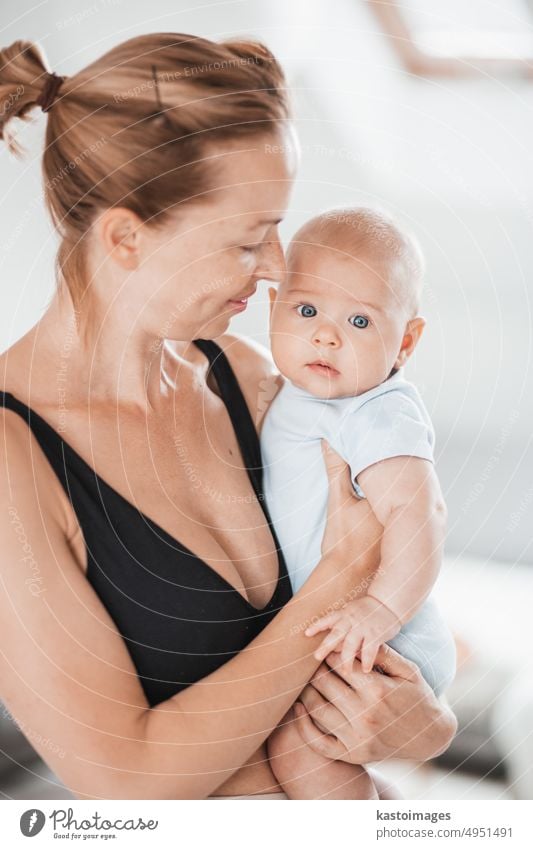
<point>23,75</point>
<point>137,128</point>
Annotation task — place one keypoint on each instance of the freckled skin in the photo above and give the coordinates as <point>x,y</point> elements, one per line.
<point>211,261</point>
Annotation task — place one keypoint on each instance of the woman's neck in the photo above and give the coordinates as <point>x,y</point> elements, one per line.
<point>111,364</point>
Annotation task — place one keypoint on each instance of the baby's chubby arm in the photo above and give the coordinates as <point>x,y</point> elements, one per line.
<point>405,494</point>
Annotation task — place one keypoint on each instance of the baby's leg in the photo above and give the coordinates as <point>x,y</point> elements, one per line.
<point>385,788</point>
<point>304,774</point>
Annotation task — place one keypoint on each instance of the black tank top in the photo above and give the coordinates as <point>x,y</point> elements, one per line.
<point>179,618</point>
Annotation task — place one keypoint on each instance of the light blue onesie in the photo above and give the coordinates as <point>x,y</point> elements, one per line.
<point>387,421</point>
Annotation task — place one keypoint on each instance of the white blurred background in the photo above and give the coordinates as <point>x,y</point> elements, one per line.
<point>449,150</point>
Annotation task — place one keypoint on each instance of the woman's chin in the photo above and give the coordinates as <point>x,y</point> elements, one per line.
<point>215,328</point>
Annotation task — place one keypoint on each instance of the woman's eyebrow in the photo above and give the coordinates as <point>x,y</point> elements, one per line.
<point>264,222</point>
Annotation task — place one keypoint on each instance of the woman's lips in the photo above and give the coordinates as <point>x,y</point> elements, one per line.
<point>239,306</point>
<point>323,369</point>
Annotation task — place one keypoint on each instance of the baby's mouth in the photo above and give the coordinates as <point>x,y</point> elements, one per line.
<point>323,368</point>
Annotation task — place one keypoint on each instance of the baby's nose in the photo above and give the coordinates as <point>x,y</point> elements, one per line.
<point>327,335</point>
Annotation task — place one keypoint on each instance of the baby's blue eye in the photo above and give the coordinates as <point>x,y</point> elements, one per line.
<point>306,310</point>
<point>359,321</point>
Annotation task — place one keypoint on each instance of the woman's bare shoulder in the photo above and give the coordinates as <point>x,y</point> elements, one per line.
<point>28,476</point>
<point>256,372</point>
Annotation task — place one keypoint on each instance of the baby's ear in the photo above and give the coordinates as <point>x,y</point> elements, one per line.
<point>413,332</point>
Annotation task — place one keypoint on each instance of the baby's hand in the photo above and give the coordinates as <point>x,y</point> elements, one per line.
<point>362,625</point>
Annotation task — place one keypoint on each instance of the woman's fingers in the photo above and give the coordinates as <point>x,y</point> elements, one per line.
<point>324,744</point>
<point>339,478</point>
<point>339,693</point>
<point>324,713</point>
<point>337,469</point>
<point>352,533</point>
<point>395,665</point>
<point>392,664</point>
<point>354,678</point>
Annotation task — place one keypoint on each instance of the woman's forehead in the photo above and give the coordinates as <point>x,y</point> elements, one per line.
<point>257,173</point>
<point>253,206</point>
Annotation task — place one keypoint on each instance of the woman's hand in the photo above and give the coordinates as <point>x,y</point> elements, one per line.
<point>353,534</point>
<point>365,717</point>
<point>350,547</point>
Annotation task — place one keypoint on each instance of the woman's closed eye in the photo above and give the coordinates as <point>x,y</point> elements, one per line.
<point>360,321</point>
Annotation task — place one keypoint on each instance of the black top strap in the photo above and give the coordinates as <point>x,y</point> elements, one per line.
<point>237,407</point>
<point>51,442</point>
<point>180,619</point>
<point>37,424</point>
<point>55,447</point>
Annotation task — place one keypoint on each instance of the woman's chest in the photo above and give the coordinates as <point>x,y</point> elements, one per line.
<point>189,477</point>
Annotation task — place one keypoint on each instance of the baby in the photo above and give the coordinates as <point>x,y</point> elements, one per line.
<point>343,324</point>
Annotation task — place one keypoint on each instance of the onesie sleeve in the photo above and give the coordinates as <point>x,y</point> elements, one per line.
<point>392,424</point>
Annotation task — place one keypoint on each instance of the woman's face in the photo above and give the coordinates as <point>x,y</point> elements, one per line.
<point>209,262</point>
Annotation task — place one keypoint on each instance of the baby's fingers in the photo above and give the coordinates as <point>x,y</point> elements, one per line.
<point>329,643</point>
<point>350,647</point>
<point>368,655</point>
<point>323,624</point>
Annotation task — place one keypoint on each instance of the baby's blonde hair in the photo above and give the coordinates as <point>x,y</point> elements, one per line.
<point>358,232</point>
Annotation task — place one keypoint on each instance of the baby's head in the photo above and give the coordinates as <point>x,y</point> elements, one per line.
<point>346,316</point>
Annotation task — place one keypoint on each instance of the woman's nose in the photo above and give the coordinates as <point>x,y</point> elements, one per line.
<point>327,336</point>
<point>271,265</point>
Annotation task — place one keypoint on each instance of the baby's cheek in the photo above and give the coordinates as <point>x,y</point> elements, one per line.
<point>285,352</point>
<point>359,370</point>
<point>280,350</point>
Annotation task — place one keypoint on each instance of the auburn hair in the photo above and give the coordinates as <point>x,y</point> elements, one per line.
<point>131,129</point>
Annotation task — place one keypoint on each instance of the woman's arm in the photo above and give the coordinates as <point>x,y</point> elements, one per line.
<point>233,710</point>
<point>366,717</point>
<point>67,676</point>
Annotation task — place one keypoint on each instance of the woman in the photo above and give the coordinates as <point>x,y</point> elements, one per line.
<point>148,624</point>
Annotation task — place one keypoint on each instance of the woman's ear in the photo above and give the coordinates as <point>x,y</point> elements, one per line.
<point>119,231</point>
<point>413,332</point>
